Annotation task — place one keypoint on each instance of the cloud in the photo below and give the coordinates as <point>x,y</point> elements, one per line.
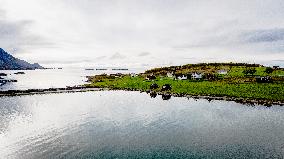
<point>169,30</point>
<point>101,57</point>
<point>268,35</point>
<point>15,36</point>
<point>117,56</point>
<point>142,54</point>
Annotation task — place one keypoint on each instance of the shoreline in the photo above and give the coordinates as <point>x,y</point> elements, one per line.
<point>239,82</point>
<point>246,101</point>
<point>48,91</point>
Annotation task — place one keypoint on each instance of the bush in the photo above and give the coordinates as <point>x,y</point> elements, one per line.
<point>248,71</point>
<point>268,70</point>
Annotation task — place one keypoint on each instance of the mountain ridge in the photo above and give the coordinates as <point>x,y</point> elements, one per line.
<point>9,62</point>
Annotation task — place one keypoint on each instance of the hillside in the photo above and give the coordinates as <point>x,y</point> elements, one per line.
<point>8,62</point>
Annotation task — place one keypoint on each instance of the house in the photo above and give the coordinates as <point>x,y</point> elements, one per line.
<point>182,77</point>
<point>170,75</point>
<point>222,72</point>
<point>275,67</point>
<point>133,75</point>
<point>210,76</point>
<point>196,76</point>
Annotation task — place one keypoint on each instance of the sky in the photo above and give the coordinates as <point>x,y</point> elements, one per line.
<point>142,33</point>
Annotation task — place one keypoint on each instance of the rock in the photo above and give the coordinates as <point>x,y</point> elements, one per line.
<point>166,96</point>
<point>150,77</point>
<point>19,73</point>
<point>154,86</point>
<point>166,87</point>
<point>3,74</point>
<point>153,94</point>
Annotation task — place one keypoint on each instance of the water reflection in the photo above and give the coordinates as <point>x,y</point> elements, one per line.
<point>120,124</point>
<point>52,78</point>
<point>153,94</point>
<point>166,96</point>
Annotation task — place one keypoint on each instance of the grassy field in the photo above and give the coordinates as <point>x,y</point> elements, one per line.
<point>233,84</point>
<point>270,91</point>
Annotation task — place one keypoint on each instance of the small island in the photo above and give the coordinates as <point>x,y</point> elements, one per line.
<point>240,82</point>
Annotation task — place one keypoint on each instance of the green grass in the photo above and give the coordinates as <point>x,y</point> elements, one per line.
<point>252,90</point>
<point>237,71</point>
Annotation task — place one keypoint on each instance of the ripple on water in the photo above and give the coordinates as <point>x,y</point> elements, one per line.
<point>120,124</point>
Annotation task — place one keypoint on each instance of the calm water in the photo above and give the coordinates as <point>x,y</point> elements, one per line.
<point>36,79</point>
<point>119,124</point>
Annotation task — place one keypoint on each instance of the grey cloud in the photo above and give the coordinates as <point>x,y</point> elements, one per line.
<point>2,14</point>
<point>100,57</point>
<point>142,54</point>
<point>117,56</point>
<point>269,35</point>
<point>65,61</point>
<point>16,37</point>
<point>177,28</point>
<point>254,41</point>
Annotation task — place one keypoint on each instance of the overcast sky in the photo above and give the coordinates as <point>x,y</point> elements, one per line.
<point>142,32</point>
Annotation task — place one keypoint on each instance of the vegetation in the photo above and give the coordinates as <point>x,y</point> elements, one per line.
<point>268,70</point>
<point>248,71</point>
<point>235,83</point>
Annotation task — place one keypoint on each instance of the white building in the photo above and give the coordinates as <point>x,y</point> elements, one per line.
<point>183,77</point>
<point>170,74</point>
<point>196,76</point>
<point>133,75</point>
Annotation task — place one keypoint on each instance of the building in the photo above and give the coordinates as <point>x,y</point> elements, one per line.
<point>222,72</point>
<point>170,75</point>
<point>196,76</point>
<point>276,67</point>
<point>182,77</point>
<point>133,75</point>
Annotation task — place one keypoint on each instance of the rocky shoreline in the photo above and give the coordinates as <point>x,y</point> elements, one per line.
<point>48,91</point>
<point>153,94</point>
<point>246,101</point>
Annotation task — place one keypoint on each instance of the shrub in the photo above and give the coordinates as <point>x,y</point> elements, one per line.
<point>268,70</point>
<point>248,71</point>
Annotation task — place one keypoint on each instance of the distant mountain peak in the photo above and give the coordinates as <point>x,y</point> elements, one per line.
<point>8,62</point>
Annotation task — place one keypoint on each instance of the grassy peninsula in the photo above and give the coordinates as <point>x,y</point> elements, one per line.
<point>239,81</point>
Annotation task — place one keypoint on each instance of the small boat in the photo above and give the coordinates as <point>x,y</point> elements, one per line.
<point>101,69</point>
<point>89,69</point>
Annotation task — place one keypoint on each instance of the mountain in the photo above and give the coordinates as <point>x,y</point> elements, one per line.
<point>8,62</point>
